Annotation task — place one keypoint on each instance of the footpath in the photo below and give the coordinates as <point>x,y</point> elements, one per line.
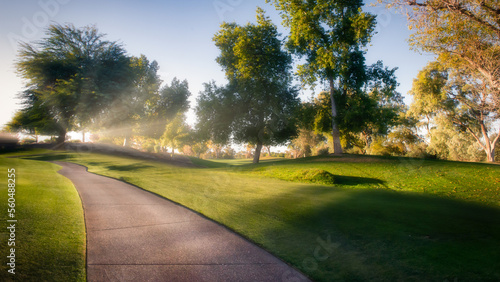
<point>135,235</point>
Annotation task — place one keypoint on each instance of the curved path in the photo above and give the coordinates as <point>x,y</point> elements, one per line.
<point>135,235</point>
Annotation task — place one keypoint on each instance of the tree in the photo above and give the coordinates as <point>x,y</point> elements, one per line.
<point>465,34</point>
<point>462,99</point>
<point>330,35</point>
<point>171,100</point>
<point>34,118</point>
<point>449,142</point>
<point>372,110</point>
<point>305,142</point>
<point>75,74</point>
<point>130,114</point>
<point>144,97</point>
<point>258,104</point>
<point>176,133</point>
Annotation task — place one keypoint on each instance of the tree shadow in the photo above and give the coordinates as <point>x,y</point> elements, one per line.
<point>354,180</point>
<point>341,234</point>
<point>49,157</point>
<point>130,167</point>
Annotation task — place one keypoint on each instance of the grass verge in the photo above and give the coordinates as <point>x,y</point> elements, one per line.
<point>50,230</point>
<point>386,219</point>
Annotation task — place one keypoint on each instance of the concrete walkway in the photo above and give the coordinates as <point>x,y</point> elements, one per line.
<point>134,235</point>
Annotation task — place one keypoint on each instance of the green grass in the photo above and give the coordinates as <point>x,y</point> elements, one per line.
<point>386,219</point>
<point>24,152</point>
<point>50,232</point>
<point>231,162</point>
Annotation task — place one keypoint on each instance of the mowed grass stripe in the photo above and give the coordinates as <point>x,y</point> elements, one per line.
<point>50,232</point>
<point>391,219</point>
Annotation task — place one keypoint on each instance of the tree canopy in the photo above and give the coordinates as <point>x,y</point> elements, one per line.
<point>258,103</point>
<point>465,34</point>
<point>330,35</point>
<point>75,74</point>
<point>461,98</point>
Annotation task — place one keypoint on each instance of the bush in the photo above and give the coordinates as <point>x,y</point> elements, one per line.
<point>315,175</point>
<point>419,151</point>
<point>323,151</point>
<point>377,148</point>
<point>355,151</point>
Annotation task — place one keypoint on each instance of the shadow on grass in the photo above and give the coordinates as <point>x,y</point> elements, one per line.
<point>49,157</point>
<point>377,235</point>
<point>130,167</point>
<point>354,180</point>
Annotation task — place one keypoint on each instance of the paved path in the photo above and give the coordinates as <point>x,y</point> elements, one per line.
<point>134,235</point>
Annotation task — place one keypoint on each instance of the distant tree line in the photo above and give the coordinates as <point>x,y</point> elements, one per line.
<point>76,80</point>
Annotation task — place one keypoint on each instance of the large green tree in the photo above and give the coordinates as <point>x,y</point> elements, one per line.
<point>372,110</point>
<point>75,74</point>
<point>258,104</point>
<point>173,99</point>
<point>129,115</point>
<point>330,35</point>
<point>34,118</point>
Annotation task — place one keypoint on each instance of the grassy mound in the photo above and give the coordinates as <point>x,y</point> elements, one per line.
<point>314,175</point>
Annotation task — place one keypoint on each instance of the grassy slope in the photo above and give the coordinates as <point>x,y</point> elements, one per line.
<point>376,224</point>
<point>50,233</point>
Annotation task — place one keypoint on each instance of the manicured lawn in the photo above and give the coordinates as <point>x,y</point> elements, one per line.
<point>50,230</point>
<point>387,219</point>
<point>215,163</point>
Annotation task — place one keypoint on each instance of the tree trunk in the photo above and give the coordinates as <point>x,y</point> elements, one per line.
<point>83,136</point>
<point>491,156</point>
<point>337,147</point>
<point>62,137</point>
<point>258,149</point>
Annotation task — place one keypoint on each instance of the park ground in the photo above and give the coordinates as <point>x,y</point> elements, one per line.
<point>348,218</point>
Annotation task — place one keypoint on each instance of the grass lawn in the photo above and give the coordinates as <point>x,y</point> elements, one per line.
<point>50,230</point>
<point>231,162</point>
<point>381,219</point>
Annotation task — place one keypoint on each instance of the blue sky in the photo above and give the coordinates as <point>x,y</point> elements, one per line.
<point>177,34</point>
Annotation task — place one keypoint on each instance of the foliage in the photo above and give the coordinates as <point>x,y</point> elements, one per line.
<point>465,34</point>
<point>171,100</point>
<point>370,112</point>
<point>449,143</point>
<point>258,104</point>
<point>75,74</point>
<point>306,142</point>
<point>330,35</point>
<point>461,99</point>
<point>129,114</point>
<point>34,118</point>
<point>176,133</point>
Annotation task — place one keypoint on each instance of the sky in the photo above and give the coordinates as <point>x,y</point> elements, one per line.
<point>177,34</point>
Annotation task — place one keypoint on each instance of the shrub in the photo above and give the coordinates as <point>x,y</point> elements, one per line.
<point>355,151</point>
<point>323,151</point>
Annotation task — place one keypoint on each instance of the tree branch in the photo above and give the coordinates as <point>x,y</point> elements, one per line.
<point>460,9</point>
<point>473,134</point>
